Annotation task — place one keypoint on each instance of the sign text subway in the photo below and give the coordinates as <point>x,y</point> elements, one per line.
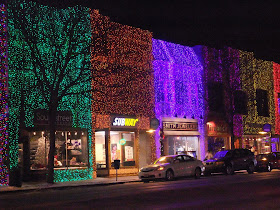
<point>124,122</point>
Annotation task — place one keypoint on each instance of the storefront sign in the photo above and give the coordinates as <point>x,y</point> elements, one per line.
<point>217,128</point>
<point>267,127</point>
<point>180,126</point>
<point>124,122</point>
<point>41,117</point>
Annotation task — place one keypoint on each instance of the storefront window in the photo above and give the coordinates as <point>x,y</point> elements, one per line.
<point>122,147</point>
<point>100,152</point>
<point>182,145</point>
<point>70,149</point>
<point>216,144</point>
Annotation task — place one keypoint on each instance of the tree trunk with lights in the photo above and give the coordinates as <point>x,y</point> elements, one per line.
<point>52,127</point>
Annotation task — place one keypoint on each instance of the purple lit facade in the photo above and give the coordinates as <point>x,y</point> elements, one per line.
<point>221,66</point>
<point>178,97</point>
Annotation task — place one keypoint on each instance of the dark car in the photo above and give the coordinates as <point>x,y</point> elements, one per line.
<point>228,161</point>
<point>267,162</point>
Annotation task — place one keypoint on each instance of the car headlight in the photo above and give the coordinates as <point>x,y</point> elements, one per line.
<point>264,159</point>
<point>160,168</point>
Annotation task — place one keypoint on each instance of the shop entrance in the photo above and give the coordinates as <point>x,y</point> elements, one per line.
<point>121,146</point>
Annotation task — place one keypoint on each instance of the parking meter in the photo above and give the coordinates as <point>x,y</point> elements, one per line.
<point>117,164</point>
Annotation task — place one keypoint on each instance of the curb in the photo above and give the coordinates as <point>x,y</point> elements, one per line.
<point>53,187</point>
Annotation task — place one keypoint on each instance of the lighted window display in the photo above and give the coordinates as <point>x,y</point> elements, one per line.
<point>122,147</point>
<point>182,145</point>
<point>100,152</point>
<point>71,149</point>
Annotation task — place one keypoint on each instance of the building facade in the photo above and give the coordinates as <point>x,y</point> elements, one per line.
<point>123,109</point>
<point>179,102</point>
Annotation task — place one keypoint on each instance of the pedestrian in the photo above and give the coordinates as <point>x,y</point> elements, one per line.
<point>208,155</point>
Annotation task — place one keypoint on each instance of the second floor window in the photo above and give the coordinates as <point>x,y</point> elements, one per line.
<point>216,97</point>
<point>262,102</point>
<point>240,102</point>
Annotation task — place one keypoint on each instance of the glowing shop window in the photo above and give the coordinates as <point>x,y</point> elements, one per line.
<point>182,145</point>
<point>100,152</point>
<point>122,147</point>
<point>70,149</point>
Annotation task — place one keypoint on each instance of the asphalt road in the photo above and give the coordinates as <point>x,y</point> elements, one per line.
<point>239,191</point>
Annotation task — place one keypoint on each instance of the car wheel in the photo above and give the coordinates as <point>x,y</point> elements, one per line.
<point>251,168</point>
<point>268,168</point>
<point>197,173</point>
<point>169,175</point>
<point>229,170</point>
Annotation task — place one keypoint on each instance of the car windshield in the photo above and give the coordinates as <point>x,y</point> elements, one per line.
<point>220,154</point>
<point>261,156</point>
<point>164,160</point>
<point>277,154</point>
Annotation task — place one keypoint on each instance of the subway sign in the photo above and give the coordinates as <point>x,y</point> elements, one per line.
<point>124,122</point>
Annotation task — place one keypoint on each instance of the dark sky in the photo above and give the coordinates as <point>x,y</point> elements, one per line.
<point>247,25</point>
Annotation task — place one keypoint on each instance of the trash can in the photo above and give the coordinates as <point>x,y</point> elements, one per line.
<point>15,177</point>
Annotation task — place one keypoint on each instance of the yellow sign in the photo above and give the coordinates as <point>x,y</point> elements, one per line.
<point>119,121</point>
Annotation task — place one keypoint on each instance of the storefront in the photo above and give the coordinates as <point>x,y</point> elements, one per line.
<point>218,136</point>
<point>181,136</point>
<point>262,142</point>
<point>71,147</point>
<point>121,142</point>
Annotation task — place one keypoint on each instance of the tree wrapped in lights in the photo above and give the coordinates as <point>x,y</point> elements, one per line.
<point>49,67</point>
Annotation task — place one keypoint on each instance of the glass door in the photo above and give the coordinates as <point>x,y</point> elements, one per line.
<point>100,150</point>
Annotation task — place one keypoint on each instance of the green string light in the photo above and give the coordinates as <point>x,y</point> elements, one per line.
<point>43,23</point>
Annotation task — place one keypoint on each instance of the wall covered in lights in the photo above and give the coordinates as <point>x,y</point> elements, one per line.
<point>222,66</point>
<point>257,74</point>
<point>276,76</point>
<point>45,23</point>
<point>178,85</point>
<point>123,56</point>
<point>3,98</point>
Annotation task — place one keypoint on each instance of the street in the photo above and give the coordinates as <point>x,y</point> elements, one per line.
<point>239,191</point>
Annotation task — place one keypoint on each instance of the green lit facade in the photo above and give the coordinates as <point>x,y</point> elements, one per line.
<point>47,26</point>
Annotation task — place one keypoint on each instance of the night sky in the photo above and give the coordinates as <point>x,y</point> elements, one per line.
<point>246,25</point>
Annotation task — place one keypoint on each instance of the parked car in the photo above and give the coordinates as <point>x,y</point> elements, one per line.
<point>171,166</point>
<point>228,161</point>
<point>267,162</point>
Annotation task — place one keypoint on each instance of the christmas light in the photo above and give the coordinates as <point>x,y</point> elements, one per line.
<point>256,74</point>
<point>3,98</point>
<point>125,53</point>
<point>44,23</point>
<point>222,65</point>
<point>276,79</point>
<point>178,85</point>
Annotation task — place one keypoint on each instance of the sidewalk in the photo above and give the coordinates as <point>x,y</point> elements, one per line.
<point>99,181</point>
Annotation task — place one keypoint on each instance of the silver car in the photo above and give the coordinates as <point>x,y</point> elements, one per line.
<point>171,166</point>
